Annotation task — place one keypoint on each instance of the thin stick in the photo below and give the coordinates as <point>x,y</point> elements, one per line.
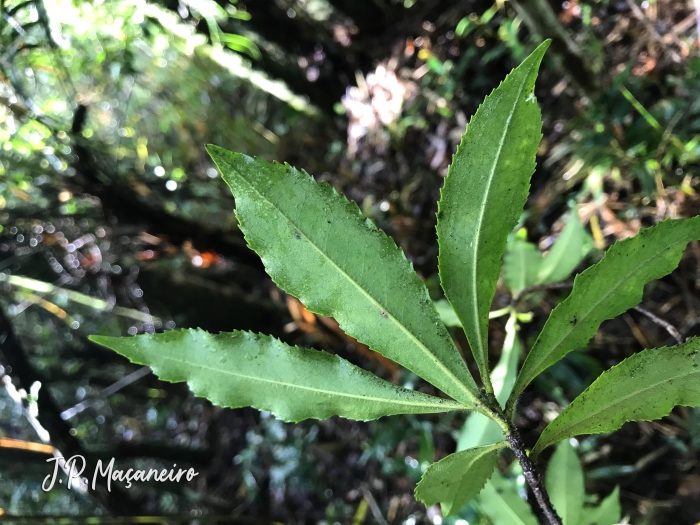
<point>533,477</point>
<point>664,324</point>
<point>540,287</point>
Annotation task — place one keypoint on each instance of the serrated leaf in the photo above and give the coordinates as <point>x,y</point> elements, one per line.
<point>479,429</point>
<point>240,369</point>
<point>605,290</point>
<point>483,196</point>
<point>564,482</point>
<point>456,479</point>
<point>644,386</point>
<point>500,501</point>
<point>521,262</point>
<point>572,245</point>
<point>317,246</point>
<point>608,512</point>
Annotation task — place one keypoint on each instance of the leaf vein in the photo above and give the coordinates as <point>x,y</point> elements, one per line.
<point>302,387</point>
<point>364,292</point>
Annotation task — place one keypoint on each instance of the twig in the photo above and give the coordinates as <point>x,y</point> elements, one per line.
<point>373,507</point>
<point>117,501</point>
<point>533,477</point>
<point>664,324</point>
<point>639,15</point>
<point>111,389</point>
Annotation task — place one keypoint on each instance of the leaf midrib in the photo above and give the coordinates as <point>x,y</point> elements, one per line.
<point>390,316</point>
<point>311,389</point>
<point>486,449</point>
<point>480,222</point>
<point>595,304</point>
<point>620,400</point>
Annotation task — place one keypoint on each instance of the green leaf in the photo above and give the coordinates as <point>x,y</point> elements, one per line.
<point>240,369</point>
<point>521,263</point>
<point>605,290</point>
<point>572,245</point>
<point>500,501</point>
<point>608,512</point>
<point>447,313</point>
<point>644,386</point>
<point>479,429</point>
<point>564,482</point>
<point>241,44</point>
<point>483,196</point>
<point>456,479</point>
<point>317,246</point>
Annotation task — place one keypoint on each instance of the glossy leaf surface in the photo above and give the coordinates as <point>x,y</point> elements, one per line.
<point>240,369</point>
<point>317,246</point>
<point>643,387</point>
<point>483,196</point>
<point>607,289</point>
<point>456,479</point>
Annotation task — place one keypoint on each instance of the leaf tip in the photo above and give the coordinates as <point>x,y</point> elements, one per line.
<point>100,339</point>
<point>539,51</point>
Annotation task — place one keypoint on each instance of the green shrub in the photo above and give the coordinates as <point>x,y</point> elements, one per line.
<point>317,246</point>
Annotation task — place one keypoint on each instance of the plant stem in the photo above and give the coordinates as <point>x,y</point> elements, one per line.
<point>533,477</point>
<point>664,324</point>
<point>540,287</point>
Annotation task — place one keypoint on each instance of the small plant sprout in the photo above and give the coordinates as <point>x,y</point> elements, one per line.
<point>317,246</point>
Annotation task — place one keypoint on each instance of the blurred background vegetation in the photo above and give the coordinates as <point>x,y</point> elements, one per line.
<point>114,221</point>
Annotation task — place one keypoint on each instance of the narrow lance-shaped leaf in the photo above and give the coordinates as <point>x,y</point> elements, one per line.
<point>317,246</point>
<point>456,479</point>
<point>572,245</point>
<point>643,387</point>
<point>479,429</point>
<point>447,313</point>
<point>521,263</point>
<point>607,513</point>
<point>605,290</point>
<point>500,501</point>
<point>564,482</point>
<point>483,196</point>
<point>240,369</point>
